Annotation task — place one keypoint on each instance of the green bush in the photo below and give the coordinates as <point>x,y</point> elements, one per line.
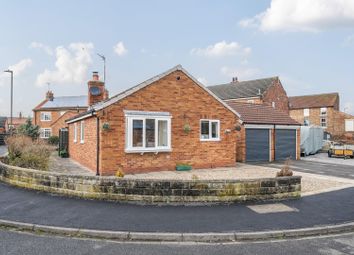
<point>28,153</point>
<point>53,140</point>
<point>28,129</point>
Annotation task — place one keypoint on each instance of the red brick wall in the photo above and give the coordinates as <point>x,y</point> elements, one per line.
<point>277,94</point>
<point>84,153</point>
<point>187,103</point>
<point>54,124</point>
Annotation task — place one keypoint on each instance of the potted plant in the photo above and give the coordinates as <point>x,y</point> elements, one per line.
<point>186,128</point>
<point>183,167</point>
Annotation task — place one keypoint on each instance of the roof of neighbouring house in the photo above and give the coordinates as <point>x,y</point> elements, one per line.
<point>2,121</point>
<point>103,104</point>
<point>262,114</point>
<point>242,89</point>
<point>16,121</point>
<point>313,101</point>
<point>66,102</point>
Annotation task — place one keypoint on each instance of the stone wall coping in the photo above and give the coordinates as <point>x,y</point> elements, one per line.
<point>114,178</point>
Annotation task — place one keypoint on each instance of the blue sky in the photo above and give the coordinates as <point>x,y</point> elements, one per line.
<point>308,44</point>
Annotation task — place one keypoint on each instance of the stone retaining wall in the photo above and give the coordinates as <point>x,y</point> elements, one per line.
<point>152,191</point>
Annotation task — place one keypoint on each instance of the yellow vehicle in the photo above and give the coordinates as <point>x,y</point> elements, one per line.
<point>341,150</point>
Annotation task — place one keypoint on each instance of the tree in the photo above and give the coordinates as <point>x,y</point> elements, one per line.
<point>29,129</point>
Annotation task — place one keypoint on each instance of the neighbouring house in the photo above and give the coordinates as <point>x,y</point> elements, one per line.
<point>322,110</point>
<point>267,134</point>
<point>167,120</point>
<point>16,122</point>
<point>51,113</point>
<point>267,91</point>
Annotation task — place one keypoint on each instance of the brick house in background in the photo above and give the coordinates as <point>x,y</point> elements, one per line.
<point>51,113</point>
<point>16,122</point>
<point>322,110</point>
<point>166,120</point>
<point>267,91</point>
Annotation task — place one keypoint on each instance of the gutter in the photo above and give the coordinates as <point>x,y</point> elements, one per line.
<point>89,114</point>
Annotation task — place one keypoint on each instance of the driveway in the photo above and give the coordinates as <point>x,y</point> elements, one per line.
<point>323,158</point>
<point>315,167</point>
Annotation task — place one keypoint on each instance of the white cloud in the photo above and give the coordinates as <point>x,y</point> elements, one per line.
<point>241,73</point>
<point>221,49</point>
<point>71,65</point>
<point>38,45</point>
<point>203,80</point>
<point>120,49</point>
<point>303,15</point>
<point>17,68</point>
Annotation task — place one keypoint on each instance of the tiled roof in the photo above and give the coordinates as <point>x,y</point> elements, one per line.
<point>17,120</point>
<point>262,114</point>
<point>66,102</point>
<point>313,101</point>
<point>242,89</point>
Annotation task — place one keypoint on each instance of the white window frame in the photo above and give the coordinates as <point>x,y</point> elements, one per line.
<point>273,104</point>
<point>323,111</point>
<point>251,101</point>
<point>306,112</point>
<point>75,132</point>
<point>210,130</point>
<point>129,133</point>
<point>82,132</point>
<point>321,123</point>
<point>349,125</point>
<point>46,116</point>
<point>42,133</point>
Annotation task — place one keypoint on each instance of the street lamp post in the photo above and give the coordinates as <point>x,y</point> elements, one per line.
<point>12,95</point>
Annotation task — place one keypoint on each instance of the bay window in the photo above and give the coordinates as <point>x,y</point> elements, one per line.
<point>209,130</point>
<point>148,131</point>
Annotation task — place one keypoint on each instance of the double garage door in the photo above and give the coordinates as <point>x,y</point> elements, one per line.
<point>258,142</point>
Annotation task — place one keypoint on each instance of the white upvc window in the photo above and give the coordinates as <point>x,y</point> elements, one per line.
<point>82,131</point>
<point>251,101</point>
<point>75,132</point>
<point>148,132</point>
<point>273,104</point>
<point>324,122</point>
<point>323,111</point>
<point>46,116</point>
<point>306,112</point>
<point>45,133</point>
<point>349,125</point>
<point>209,130</point>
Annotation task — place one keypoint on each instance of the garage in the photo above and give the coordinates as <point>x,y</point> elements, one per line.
<point>257,145</point>
<point>266,134</point>
<point>285,144</point>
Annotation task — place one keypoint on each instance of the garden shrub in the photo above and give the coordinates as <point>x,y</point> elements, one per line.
<point>53,140</point>
<point>28,153</point>
<point>285,171</point>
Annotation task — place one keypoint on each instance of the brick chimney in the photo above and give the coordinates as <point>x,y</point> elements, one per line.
<point>96,90</point>
<point>49,95</point>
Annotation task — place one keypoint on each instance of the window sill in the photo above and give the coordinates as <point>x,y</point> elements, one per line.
<point>46,120</point>
<point>147,150</point>
<point>210,140</point>
<point>82,142</point>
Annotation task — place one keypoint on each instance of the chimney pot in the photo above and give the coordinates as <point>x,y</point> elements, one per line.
<point>234,79</point>
<point>95,76</point>
<point>50,95</point>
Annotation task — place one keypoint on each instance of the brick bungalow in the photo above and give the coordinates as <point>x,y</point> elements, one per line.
<point>266,91</point>
<point>51,113</point>
<point>267,134</point>
<point>322,110</point>
<point>166,120</point>
<point>16,122</point>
